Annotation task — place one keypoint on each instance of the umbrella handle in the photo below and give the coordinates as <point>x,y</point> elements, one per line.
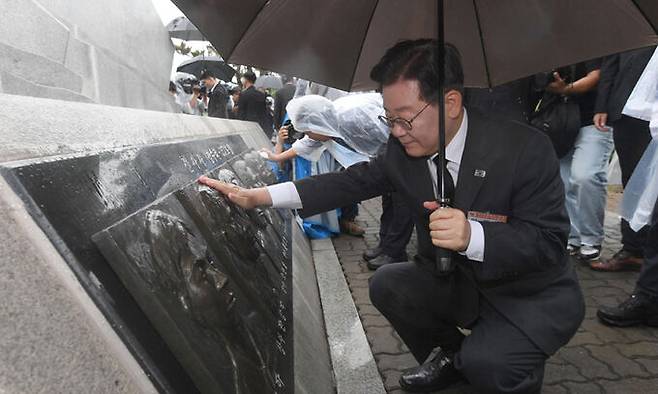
<point>444,264</point>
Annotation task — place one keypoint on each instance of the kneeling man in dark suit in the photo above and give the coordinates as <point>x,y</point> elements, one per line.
<point>513,287</point>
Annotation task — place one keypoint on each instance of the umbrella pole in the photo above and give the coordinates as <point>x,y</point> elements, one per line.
<point>444,264</point>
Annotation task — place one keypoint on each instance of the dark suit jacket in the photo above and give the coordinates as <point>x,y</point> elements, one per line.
<point>218,100</point>
<point>251,107</point>
<point>281,99</point>
<point>526,274</point>
<point>509,101</point>
<point>619,75</point>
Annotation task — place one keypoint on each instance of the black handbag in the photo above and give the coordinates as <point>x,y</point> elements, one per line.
<point>559,118</point>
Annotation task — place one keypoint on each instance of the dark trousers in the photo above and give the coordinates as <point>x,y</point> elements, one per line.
<point>396,226</point>
<point>495,358</point>
<point>648,280</point>
<point>632,136</point>
<point>349,212</point>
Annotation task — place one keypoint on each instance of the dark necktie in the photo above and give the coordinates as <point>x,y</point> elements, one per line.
<point>463,288</point>
<point>449,183</point>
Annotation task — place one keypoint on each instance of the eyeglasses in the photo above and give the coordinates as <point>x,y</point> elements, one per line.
<point>402,122</point>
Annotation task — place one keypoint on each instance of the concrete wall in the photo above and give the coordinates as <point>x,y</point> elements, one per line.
<point>108,52</point>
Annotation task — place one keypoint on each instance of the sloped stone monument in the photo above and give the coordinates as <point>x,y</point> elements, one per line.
<point>194,293</point>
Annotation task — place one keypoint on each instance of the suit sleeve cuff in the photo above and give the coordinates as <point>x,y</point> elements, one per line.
<point>285,195</point>
<point>475,250</point>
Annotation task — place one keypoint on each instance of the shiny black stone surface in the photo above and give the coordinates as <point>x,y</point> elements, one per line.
<point>73,198</point>
<point>225,315</point>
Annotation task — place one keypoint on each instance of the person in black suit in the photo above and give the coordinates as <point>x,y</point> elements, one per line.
<point>396,226</point>
<point>513,286</point>
<point>281,99</point>
<point>251,105</point>
<point>217,94</point>
<point>642,306</point>
<point>619,75</point>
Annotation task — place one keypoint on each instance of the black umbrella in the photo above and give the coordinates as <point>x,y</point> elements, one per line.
<point>213,64</point>
<point>337,42</point>
<point>182,28</point>
<point>268,81</point>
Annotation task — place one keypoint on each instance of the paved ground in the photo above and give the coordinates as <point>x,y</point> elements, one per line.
<point>597,360</point>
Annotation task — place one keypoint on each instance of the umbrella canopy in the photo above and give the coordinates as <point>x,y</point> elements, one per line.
<point>268,81</point>
<point>182,28</point>
<point>213,64</point>
<point>337,42</point>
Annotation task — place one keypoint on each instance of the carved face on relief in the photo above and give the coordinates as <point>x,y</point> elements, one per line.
<point>181,260</point>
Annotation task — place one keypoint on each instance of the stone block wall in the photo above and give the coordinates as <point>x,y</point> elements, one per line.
<point>107,52</point>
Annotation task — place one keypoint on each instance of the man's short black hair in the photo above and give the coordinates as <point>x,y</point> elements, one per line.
<point>417,60</point>
<point>249,76</point>
<point>205,74</point>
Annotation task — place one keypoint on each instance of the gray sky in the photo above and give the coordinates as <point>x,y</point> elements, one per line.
<point>167,10</point>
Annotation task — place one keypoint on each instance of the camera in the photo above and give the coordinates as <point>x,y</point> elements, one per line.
<point>542,80</point>
<point>293,135</point>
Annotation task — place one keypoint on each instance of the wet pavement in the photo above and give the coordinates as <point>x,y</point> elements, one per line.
<point>598,359</point>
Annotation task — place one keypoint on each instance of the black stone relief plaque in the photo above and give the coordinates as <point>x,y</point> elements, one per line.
<point>237,238</point>
<point>231,233</point>
<point>253,171</point>
<point>74,197</point>
<point>258,258</point>
<point>225,341</point>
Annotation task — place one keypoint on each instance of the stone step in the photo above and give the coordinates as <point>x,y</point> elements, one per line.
<point>38,69</point>
<point>14,84</point>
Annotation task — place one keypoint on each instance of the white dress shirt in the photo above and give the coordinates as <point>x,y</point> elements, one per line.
<point>454,153</point>
<point>285,195</point>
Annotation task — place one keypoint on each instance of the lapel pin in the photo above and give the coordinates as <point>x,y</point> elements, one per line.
<point>480,173</point>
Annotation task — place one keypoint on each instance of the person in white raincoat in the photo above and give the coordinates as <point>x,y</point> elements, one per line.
<point>361,129</point>
<point>640,208</point>
<point>324,146</point>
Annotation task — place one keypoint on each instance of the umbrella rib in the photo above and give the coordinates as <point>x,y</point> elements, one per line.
<point>247,29</point>
<point>646,18</point>
<point>363,42</point>
<point>484,51</point>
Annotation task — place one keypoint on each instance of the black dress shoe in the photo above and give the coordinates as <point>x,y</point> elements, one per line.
<point>435,374</point>
<point>384,259</point>
<point>370,254</point>
<point>638,309</point>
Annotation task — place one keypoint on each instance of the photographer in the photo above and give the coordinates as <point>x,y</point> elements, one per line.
<point>313,130</point>
<point>188,94</point>
<point>314,134</point>
<point>197,104</point>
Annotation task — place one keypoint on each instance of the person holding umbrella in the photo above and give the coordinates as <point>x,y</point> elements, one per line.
<point>512,285</point>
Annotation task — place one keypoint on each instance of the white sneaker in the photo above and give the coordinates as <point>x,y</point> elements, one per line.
<point>572,249</point>
<point>589,253</point>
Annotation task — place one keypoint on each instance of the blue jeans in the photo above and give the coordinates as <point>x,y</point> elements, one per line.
<point>584,172</point>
